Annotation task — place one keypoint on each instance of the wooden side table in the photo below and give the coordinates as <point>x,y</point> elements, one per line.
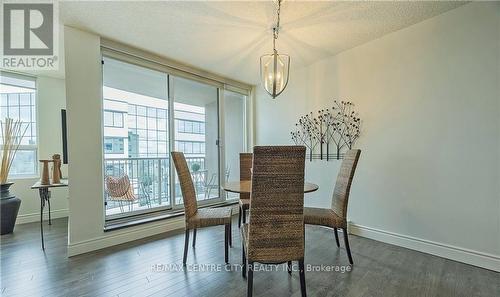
<point>44,192</point>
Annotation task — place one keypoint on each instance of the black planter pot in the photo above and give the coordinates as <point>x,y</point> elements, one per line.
<point>9,208</point>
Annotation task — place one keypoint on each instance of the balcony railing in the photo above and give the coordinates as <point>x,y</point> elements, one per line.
<point>150,182</point>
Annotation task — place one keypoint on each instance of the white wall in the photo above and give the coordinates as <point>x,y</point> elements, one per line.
<point>51,98</point>
<point>84,118</point>
<point>429,98</point>
<point>86,204</point>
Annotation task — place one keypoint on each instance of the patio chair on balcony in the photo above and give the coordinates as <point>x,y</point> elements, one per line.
<point>120,190</point>
<point>146,194</point>
<point>226,175</point>
<point>209,184</point>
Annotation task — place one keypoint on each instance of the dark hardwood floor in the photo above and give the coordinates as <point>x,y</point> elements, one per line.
<point>129,269</point>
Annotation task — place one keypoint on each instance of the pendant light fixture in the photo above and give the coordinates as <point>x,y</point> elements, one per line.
<point>275,68</point>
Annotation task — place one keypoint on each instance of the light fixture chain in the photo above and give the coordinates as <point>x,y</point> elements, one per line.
<point>276,29</point>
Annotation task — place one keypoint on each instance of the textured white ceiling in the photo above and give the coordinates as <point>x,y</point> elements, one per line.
<point>229,37</point>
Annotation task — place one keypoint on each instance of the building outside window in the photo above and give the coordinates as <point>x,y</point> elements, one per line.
<point>136,140</point>
<point>191,147</point>
<point>147,131</point>
<point>192,127</point>
<point>114,145</point>
<point>113,119</point>
<point>18,101</point>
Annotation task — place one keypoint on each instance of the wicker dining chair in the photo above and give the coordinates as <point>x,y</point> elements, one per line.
<point>199,218</point>
<point>275,232</point>
<point>245,174</point>
<point>336,216</point>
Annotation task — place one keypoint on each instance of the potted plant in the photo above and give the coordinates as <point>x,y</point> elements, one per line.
<point>12,134</point>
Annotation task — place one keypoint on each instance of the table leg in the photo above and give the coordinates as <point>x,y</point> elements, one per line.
<point>44,197</point>
<point>41,217</point>
<point>48,201</point>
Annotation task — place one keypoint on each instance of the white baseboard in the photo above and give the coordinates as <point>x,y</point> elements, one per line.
<point>120,236</point>
<point>35,217</point>
<point>480,259</point>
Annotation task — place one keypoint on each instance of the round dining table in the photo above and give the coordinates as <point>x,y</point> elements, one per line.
<point>245,186</point>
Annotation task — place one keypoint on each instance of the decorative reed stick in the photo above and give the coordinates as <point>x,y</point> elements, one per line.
<point>12,134</point>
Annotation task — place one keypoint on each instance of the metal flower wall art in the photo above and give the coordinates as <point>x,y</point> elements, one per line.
<point>333,130</point>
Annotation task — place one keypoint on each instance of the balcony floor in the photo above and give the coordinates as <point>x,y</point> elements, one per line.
<point>128,207</point>
<point>126,270</point>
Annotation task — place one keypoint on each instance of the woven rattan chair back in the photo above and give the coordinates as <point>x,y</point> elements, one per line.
<point>245,170</point>
<point>187,187</point>
<point>344,180</point>
<point>276,228</point>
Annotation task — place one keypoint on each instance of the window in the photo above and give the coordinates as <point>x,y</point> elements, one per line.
<point>190,147</point>
<point>191,127</point>
<point>158,112</point>
<point>113,119</point>
<point>18,101</point>
<point>151,131</point>
<point>114,145</point>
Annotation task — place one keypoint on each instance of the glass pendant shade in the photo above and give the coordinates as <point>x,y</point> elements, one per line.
<point>274,72</point>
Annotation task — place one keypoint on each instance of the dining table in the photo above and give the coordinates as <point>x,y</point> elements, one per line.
<point>245,186</point>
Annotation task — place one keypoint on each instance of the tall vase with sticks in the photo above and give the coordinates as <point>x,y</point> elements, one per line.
<point>13,132</point>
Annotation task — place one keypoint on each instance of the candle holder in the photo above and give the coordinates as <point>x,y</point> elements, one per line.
<point>56,169</point>
<point>45,180</point>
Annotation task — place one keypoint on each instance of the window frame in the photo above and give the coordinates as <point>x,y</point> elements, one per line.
<point>221,85</point>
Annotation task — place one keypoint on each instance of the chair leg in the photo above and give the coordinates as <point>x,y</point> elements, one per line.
<point>250,279</point>
<point>336,237</point>
<point>186,245</point>
<point>243,261</point>
<point>239,218</point>
<point>348,249</point>
<point>226,244</point>
<point>289,267</point>
<point>194,237</point>
<point>302,278</point>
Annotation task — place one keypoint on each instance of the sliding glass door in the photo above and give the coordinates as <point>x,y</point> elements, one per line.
<point>136,142</point>
<point>148,112</point>
<point>196,122</point>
